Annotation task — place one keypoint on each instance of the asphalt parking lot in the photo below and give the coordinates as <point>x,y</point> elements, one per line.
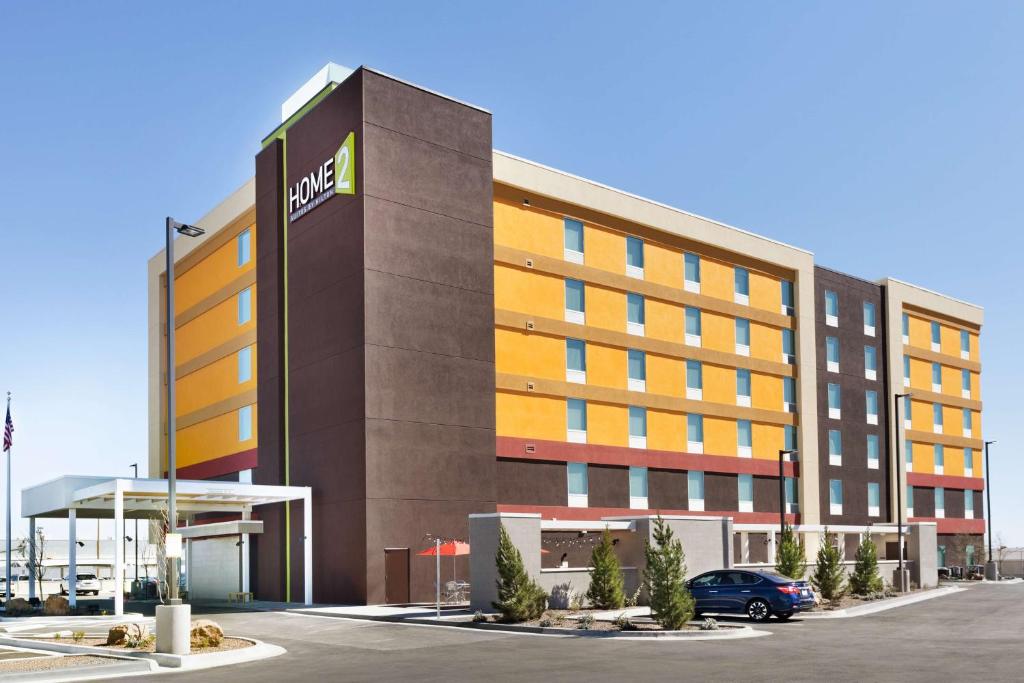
<point>972,635</point>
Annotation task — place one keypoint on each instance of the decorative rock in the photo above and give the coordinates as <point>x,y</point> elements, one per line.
<point>17,607</point>
<point>56,606</point>
<point>120,633</point>
<point>205,633</point>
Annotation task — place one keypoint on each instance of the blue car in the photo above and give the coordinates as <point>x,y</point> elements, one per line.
<point>758,594</point>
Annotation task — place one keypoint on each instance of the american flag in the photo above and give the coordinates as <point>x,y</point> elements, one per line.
<point>8,431</point>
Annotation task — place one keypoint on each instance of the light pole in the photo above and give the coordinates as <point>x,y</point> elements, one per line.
<point>173,226</point>
<point>991,569</point>
<point>903,580</point>
<point>135,466</point>
<point>782,492</point>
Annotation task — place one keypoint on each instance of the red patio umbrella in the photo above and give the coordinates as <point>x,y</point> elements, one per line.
<point>446,548</point>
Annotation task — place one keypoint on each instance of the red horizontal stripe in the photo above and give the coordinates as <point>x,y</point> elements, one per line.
<point>561,451</point>
<point>955,526</point>
<point>596,514</point>
<point>945,481</point>
<point>218,467</point>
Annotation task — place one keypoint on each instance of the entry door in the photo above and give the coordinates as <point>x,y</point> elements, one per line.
<point>396,575</point>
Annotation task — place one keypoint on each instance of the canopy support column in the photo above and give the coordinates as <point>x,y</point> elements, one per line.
<point>118,553</point>
<point>31,558</point>
<point>72,557</point>
<point>246,516</point>
<point>307,545</point>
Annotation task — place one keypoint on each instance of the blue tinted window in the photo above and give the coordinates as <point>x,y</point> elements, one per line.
<point>742,382</point>
<point>694,375</point>
<point>577,475</point>
<point>835,442</point>
<point>693,321</point>
<point>874,494</point>
<point>245,364</point>
<point>831,304</point>
<point>834,398</point>
<point>745,483</point>
<point>573,235</point>
<point>869,314</point>
<point>743,331</point>
<point>637,421</point>
<point>244,306</point>
<point>787,293</point>
<point>832,349</point>
<point>574,300</point>
<point>576,355</point>
<point>695,485</point>
<point>635,308</point>
<point>873,447</point>
<point>244,247</point>
<point>691,266</point>
<point>637,362</point>
<point>744,435</point>
<point>245,423</point>
<point>835,492</point>
<point>742,281</point>
<point>638,482</point>
<point>870,358</point>
<point>635,252</point>
<point>695,428</point>
<point>576,410</point>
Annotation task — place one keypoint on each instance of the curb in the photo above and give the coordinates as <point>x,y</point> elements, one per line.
<point>258,651</point>
<point>102,672</point>
<point>882,605</point>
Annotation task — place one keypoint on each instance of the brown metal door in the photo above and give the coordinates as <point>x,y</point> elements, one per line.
<point>396,575</point>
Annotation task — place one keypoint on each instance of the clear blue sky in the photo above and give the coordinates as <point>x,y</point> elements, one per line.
<point>831,126</point>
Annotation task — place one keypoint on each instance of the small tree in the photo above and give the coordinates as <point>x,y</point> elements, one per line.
<point>865,579</point>
<point>519,596</point>
<point>828,572</point>
<point>791,558</point>
<point>664,578</point>
<point>34,555</point>
<point>606,584</point>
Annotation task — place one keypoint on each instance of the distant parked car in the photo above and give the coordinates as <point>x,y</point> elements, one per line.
<point>975,572</point>
<point>3,586</point>
<point>84,584</point>
<point>944,572</point>
<point>758,594</point>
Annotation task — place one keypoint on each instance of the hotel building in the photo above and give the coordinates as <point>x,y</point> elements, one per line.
<point>421,328</point>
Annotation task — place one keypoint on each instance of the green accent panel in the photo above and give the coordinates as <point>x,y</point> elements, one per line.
<point>345,166</point>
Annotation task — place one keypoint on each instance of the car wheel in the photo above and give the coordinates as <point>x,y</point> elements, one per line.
<point>758,610</point>
<point>783,616</point>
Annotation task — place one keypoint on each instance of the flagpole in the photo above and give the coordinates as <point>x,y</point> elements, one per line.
<point>7,599</point>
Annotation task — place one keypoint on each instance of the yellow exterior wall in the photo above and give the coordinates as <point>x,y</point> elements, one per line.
<point>666,431</point>
<point>606,366</point>
<point>212,273</point>
<point>604,249</point>
<point>212,328</point>
<point>766,391</point>
<point>716,279</point>
<point>768,440</point>
<point>765,342</point>
<point>718,332</point>
<point>532,355</point>
<point>924,457</point>
<point>663,266</point>
<point>920,332</point>
<point>607,424</point>
<point>212,383</point>
<point>920,374</point>
<point>720,384</point>
<point>535,231</point>
<point>540,417</point>
<point>605,308</point>
<point>213,438</point>
<point>765,292</point>
<point>664,321</point>
<point>667,376</point>
<point>528,291</point>
<point>719,436</point>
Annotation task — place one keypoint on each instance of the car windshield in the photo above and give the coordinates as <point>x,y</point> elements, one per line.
<point>775,576</point>
<point>86,577</point>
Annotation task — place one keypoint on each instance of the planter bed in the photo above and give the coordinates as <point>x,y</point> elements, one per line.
<point>566,623</point>
<point>229,643</point>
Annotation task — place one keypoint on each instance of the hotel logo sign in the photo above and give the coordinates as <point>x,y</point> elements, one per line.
<point>336,175</point>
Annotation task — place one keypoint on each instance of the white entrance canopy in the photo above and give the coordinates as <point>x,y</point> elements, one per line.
<point>72,497</point>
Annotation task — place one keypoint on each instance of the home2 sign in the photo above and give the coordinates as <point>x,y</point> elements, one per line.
<point>337,175</point>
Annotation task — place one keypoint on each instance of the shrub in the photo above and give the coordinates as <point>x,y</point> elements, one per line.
<point>828,571</point>
<point>519,596</point>
<point>586,621</point>
<point>545,623</point>
<point>623,623</point>
<point>606,585</point>
<point>709,625</point>
<point>791,557</point>
<point>479,617</point>
<point>634,599</point>
<point>78,636</point>
<point>865,579</point>
<point>664,579</point>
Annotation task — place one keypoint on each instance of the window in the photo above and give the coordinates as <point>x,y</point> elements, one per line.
<point>637,427</point>
<point>940,502</point>
<point>788,347</point>
<point>967,422</point>
<point>906,328</point>
<point>573,240</point>
<point>936,336</point>
<point>635,257</point>
<point>744,439</point>
<point>244,306</point>
<point>965,344</point>
<point>906,371</point>
<point>869,319</point>
<point>691,272</point>
<point>692,326</point>
<point>741,280</point>
<point>910,500</point>
<point>940,555</point>
<point>937,418</point>
<point>871,399</point>
<point>245,364</point>
<point>832,354</point>
<point>834,402</point>
<point>636,363</point>
<point>695,433</point>
<point>576,361</point>
<point>695,490</point>
<point>835,447</point>
<point>788,306</point>
<point>245,423</point>
<point>870,362</point>
<point>907,406</point>
<point>873,451</point>
<point>635,314</point>
<point>968,462</point>
<point>574,301</point>
<point>936,377</point>
<point>789,394</point>
<point>969,551</point>
<point>790,488</point>
<point>831,309</point>
<point>965,383</point>
<point>939,458</point>
<point>742,336</point>
<point>244,247</point>
<point>638,488</point>
<point>969,507</point>
<point>745,484</point>
<point>789,438</point>
<point>908,449</point>
<point>576,419</point>
<point>578,485</point>
<point>743,387</point>
<point>874,499</point>
<point>694,380</point>
<point>835,496</point>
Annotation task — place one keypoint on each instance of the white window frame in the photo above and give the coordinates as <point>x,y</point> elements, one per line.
<point>784,308</point>
<point>872,417</point>
<point>965,393</point>
<point>873,510</point>
<point>638,502</point>
<point>576,435</point>
<point>870,373</point>
<point>694,446</point>
<point>245,306</point>
<point>245,364</point>
<point>831,365</point>
<point>968,495</point>
<point>743,299</point>
<point>691,285</point>
<point>788,358</point>
<point>910,500</point>
<point>693,393</point>
<point>741,349</point>
<point>695,504</point>
<point>636,384</point>
<point>244,248</point>
<point>967,430</point>
<point>571,375</point>
<point>835,459</point>
<point>937,426</point>
<point>869,330</point>
<point>969,463</point>
<point>693,339</point>
<point>965,353</point>
<point>741,450</point>
<point>788,406</point>
<point>638,440</point>
<point>906,370</point>
<point>636,329</point>
<point>834,413</point>
<point>873,462</point>
<point>835,508</point>
<point>935,345</point>
<point>905,328</point>
<point>745,505</point>
<point>936,467</point>
<point>635,271</point>
<point>831,320</point>
<point>573,316</point>
<point>937,388</point>
<point>940,512</point>
<point>245,423</point>
<point>577,500</point>
<point>571,255</point>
